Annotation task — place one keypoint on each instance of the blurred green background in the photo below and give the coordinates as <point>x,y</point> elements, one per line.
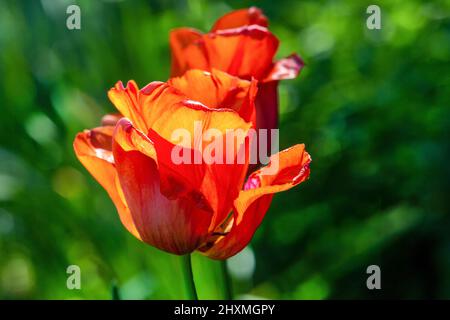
<point>372,106</point>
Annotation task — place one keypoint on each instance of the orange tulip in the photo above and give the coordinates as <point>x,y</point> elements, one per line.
<point>240,44</point>
<point>184,207</point>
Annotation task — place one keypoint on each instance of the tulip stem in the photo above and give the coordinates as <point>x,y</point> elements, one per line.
<point>190,277</point>
<point>115,291</point>
<point>227,281</point>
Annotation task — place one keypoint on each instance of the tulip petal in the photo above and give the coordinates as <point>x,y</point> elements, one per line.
<point>177,226</point>
<point>140,105</point>
<point>170,120</point>
<point>111,119</point>
<point>131,139</point>
<point>188,51</point>
<point>180,180</point>
<point>240,18</point>
<point>266,106</point>
<point>236,50</point>
<point>94,150</point>
<point>292,167</point>
<point>217,181</point>
<point>217,89</point>
<point>228,177</point>
<point>166,110</point>
<point>287,68</point>
<point>176,180</point>
<point>126,100</point>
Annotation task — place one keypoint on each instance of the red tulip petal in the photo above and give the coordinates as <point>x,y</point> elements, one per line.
<point>164,109</point>
<point>217,89</point>
<point>176,226</point>
<point>180,180</point>
<point>131,139</point>
<point>111,119</point>
<point>199,182</point>
<point>240,18</point>
<point>254,200</point>
<point>287,68</point>
<point>266,106</point>
<point>126,100</point>
<point>93,149</point>
<point>236,50</point>
<point>167,119</point>
<point>223,179</point>
<point>217,183</point>
<point>188,51</point>
<point>143,107</point>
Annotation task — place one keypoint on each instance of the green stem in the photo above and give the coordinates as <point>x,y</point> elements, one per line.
<point>115,291</point>
<point>227,281</point>
<point>190,284</point>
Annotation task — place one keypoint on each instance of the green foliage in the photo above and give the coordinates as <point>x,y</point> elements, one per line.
<point>372,107</point>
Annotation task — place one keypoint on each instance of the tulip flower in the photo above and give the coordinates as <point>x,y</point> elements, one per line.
<point>180,208</point>
<point>240,44</point>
